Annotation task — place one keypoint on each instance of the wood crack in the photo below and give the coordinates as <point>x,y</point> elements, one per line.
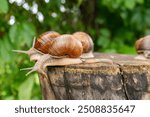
<point>123,81</point>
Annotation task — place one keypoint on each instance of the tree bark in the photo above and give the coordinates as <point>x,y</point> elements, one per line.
<point>127,78</point>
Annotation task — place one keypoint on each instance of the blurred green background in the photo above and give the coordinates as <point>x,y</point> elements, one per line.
<point>114,25</point>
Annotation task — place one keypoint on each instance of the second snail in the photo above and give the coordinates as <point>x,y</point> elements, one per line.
<point>54,49</point>
<point>143,48</point>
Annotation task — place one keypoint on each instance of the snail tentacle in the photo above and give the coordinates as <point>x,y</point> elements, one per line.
<point>29,68</point>
<point>21,51</point>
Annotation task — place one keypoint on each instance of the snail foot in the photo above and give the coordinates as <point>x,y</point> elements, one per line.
<point>87,55</point>
<point>95,60</point>
<point>140,57</point>
<point>109,61</point>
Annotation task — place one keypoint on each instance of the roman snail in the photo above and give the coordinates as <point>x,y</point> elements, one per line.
<point>142,46</point>
<point>53,49</point>
<point>39,46</point>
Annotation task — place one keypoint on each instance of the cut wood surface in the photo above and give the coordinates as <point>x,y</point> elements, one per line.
<point>125,79</point>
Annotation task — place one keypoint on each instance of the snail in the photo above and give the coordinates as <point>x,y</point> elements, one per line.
<point>39,46</point>
<point>53,49</point>
<point>143,48</point>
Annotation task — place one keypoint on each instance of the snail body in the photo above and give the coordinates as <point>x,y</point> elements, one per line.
<point>143,47</point>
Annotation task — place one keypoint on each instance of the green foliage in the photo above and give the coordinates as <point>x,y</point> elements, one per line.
<point>22,33</point>
<point>3,6</point>
<point>113,24</point>
<point>25,89</point>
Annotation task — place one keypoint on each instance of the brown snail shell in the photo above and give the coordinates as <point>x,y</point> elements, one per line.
<point>87,44</point>
<point>86,41</point>
<point>142,46</point>
<point>45,40</point>
<point>66,45</point>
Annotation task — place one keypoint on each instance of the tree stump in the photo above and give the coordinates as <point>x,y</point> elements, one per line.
<point>125,79</point>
